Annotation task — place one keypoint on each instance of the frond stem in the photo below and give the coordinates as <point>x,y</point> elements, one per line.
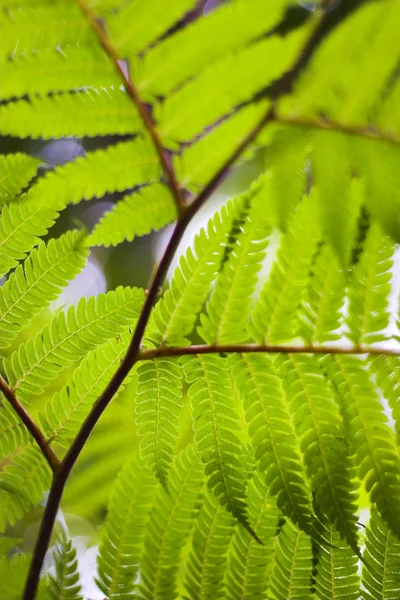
<point>133,93</point>
<point>31,426</point>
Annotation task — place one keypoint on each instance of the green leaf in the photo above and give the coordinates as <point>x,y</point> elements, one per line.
<point>387,372</point>
<point>13,432</point>
<point>119,552</point>
<point>39,281</point>
<point>16,172</point>
<point>65,584</point>
<point>148,209</point>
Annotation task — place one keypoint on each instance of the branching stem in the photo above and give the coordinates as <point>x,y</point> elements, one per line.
<point>31,426</point>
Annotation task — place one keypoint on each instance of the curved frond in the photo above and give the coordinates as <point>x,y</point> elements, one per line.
<point>381,569</point>
<point>65,584</point>
<point>119,552</point>
<point>216,425</point>
<point>13,432</point>
<point>16,171</point>
<point>158,409</point>
<point>321,433</point>
<point>148,209</point>
<point>274,316</point>
<point>206,562</point>
<point>69,337</point>
<point>228,310</point>
<point>249,563</point>
<point>387,372</point>
<point>371,440</point>
<point>168,528</point>
<point>89,112</point>
<point>272,435</point>
<point>35,284</point>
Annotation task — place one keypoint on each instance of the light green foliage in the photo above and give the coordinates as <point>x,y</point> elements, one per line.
<point>13,571</point>
<point>387,372</point>
<point>381,569</point>
<point>16,171</point>
<point>119,553</point>
<point>65,584</point>
<point>13,433</point>
<point>150,208</point>
<point>39,281</point>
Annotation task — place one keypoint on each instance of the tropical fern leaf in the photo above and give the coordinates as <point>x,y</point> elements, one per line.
<point>35,284</point>
<point>272,435</point>
<point>337,570</point>
<point>224,30</point>
<point>368,314</point>
<point>56,71</point>
<point>69,337</point>
<point>322,441</point>
<point>387,372</point>
<point>216,425</point>
<point>249,563</point>
<point>13,432</point>
<point>22,223</point>
<point>89,112</point>
<point>228,309</point>
<point>13,571</point>
<point>16,172</point>
<point>65,584</point>
<point>22,485</point>
<point>371,439</point>
<point>232,81</point>
<point>274,316</point>
<point>381,567</point>
<point>150,208</point>
<point>158,410</point>
<point>322,309</point>
<point>175,314</point>
<point>291,570</point>
<point>169,526</point>
<point>119,553</point>
<point>207,557</point>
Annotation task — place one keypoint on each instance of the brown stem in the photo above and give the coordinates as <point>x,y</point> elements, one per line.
<point>133,353</point>
<point>142,109</point>
<point>31,426</point>
<point>261,348</point>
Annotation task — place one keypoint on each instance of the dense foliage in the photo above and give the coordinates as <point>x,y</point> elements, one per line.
<point>255,420</point>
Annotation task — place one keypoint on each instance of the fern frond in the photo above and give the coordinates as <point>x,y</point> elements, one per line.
<point>197,163</point>
<point>169,526</point>
<point>150,208</point>
<point>324,298</point>
<point>369,288</point>
<point>16,171</point>
<point>226,29</point>
<point>286,166</point>
<point>274,316</point>
<point>232,81</point>
<point>272,435</point>
<point>387,372</point>
<point>249,563</point>
<point>322,441</point>
<point>337,570</point>
<point>56,71</point>
<point>66,411</point>
<point>22,224</point>
<point>65,584</point>
<point>291,570</point>
<point>22,485</point>
<point>13,572</point>
<point>35,284</point>
<point>13,432</point>
<point>216,425</point>
<point>175,314</point>
<point>141,22</point>
<point>89,112</point>
<point>119,552</point>
<point>207,558</point>
<point>381,567</point>
<point>69,337</point>
<point>228,309</point>
<point>158,409</point>
<point>116,168</point>
<point>371,439</point>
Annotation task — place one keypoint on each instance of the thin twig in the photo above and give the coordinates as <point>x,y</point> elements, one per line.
<point>262,348</point>
<point>132,355</point>
<point>142,109</point>
<point>31,426</point>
